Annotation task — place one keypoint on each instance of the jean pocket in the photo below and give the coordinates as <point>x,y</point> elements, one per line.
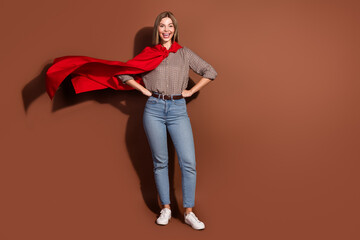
<point>180,102</point>
<point>152,100</point>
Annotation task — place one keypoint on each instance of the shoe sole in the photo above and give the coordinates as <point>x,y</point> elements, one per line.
<point>162,224</point>
<point>199,229</point>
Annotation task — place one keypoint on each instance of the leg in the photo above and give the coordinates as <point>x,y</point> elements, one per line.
<point>155,129</point>
<point>181,134</point>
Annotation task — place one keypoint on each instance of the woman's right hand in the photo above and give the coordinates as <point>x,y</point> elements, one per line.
<point>146,92</point>
<point>138,87</point>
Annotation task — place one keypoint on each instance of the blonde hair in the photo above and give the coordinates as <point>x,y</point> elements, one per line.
<point>156,36</point>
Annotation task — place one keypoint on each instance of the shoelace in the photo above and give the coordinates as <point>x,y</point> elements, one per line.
<point>162,213</point>
<point>193,215</point>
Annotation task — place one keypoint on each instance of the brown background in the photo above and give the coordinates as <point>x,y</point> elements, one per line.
<point>277,133</point>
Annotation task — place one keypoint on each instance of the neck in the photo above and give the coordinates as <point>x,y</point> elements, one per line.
<point>167,45</point>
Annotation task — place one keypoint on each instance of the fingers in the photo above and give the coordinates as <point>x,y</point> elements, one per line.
<point>186,93</point>
<point>147,93</point>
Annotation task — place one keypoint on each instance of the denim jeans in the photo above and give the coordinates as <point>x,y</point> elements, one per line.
<point>159,117</point>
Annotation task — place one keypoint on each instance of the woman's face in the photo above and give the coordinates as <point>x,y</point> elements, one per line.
<point>166,29</point>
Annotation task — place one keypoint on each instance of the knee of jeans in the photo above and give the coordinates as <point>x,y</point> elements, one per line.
<point>159,167</point>
<point>160,163</point>
<point>189,167</point>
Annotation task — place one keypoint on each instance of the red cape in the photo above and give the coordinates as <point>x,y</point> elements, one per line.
<point>88,74</point>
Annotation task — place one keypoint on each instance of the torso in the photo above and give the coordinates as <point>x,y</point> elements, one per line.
<point>171,76</point>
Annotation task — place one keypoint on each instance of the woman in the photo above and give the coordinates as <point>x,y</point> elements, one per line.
<point>165,111</point>
<point>164,69</point>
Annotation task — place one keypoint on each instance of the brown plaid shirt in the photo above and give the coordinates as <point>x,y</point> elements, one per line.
<point>172,75</point>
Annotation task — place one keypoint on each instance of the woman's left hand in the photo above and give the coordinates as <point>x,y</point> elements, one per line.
<point>187,93</point>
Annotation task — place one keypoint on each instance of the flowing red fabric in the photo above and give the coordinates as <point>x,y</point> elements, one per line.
<point>88,74</point>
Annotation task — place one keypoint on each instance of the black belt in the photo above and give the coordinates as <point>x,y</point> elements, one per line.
<point>167,97</point>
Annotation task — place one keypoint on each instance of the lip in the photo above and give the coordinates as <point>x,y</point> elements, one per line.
<point>167,35</point>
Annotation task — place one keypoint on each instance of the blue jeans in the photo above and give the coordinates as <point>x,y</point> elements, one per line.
<point>159,117</point>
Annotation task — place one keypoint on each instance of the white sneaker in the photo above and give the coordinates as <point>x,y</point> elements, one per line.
<point>193,221</point>
<point>164,217</point>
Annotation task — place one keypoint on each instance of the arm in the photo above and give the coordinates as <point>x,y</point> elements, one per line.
<point>138,87</point>
<point>196,87</point>
<point>202,68</point>
<point>129,80</point>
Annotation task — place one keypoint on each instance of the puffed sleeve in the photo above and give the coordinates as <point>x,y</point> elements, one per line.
<point>124,77</point>
<point>199,66</point>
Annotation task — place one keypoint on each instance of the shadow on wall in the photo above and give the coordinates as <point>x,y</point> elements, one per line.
<point>128,102</point>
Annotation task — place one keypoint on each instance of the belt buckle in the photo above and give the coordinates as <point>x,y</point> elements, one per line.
<point>162,96</point>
